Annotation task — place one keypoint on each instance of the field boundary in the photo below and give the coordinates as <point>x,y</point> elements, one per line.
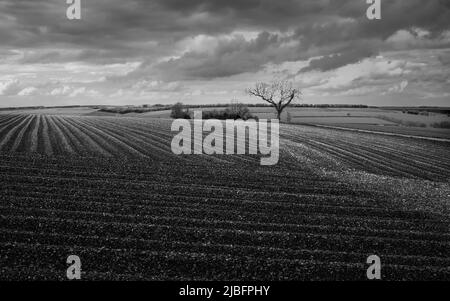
<point>376,132</point>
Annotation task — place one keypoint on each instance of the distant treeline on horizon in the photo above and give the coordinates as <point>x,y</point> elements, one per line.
<point>123,109</point>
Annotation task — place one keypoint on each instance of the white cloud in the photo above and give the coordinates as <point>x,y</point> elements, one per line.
<point>197,92</point>
<point>417,38</point>
<point>366,71</point>
<point>156,85</point>
<point>9,87</point>
<point>65,90</point>
<point>83,91</point>
<point>118,93</point>
<point>28,91</point>
<point>400,87</point>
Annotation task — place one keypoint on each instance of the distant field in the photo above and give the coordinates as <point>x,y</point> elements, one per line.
<point>111,191</point>
<point>390,120</point>
<point>380,120</point>
<point>384,116</point>
<point>54,111</point>
<point>338,120</point>
<point>396,129</point>
<point>156,114</point>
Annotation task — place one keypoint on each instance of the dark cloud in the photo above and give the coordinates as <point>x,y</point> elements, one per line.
<point>349,56</point>
<point>444,58</point>
<point>143,30</point>
<point>230,57</point>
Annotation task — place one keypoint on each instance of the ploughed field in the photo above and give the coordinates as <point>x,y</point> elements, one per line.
<point>110,191</point>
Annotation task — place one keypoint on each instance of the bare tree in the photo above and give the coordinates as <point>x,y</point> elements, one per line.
<point>279,94</point>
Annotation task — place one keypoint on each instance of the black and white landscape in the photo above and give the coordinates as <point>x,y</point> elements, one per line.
<point>92,188</point>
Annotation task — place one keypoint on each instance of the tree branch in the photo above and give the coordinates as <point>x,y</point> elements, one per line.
<point>283,90</point>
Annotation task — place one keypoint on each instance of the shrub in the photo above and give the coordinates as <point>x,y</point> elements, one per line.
<point>234,111</point>
<point>127,110</point>
<point>412,112</point>
<point>214,114</point>
<point>178,111</point>
<point>238,111</point>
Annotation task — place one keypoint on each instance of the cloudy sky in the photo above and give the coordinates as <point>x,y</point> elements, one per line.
<point>206,51</point>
